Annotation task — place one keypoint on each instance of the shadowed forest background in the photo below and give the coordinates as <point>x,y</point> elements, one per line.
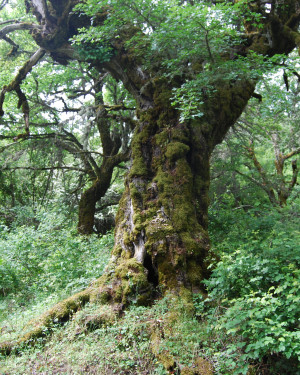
<point>149,201</point>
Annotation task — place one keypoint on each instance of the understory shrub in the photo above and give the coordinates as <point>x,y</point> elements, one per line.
<point>254,295</point>
<point>49,257</point>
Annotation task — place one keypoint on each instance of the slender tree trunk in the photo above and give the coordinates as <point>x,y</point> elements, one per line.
<point>87,206</point>
<point>89,198</point>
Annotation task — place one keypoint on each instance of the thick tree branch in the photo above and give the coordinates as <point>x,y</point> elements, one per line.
<point>112,202</point>
<point>17,26</point>
<point>11,28</point>
<point>257,96</point>
<point>15,86</point>
<point>40,7</point>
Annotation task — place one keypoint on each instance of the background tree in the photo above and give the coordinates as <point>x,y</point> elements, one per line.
<point>266,137</point>
<point>56,117</point>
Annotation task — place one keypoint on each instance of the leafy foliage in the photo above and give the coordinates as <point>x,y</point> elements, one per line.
<point>50,257</point>
<point>190,40</point>
<point>258,160</point>
<point>94,51</point>
<point>254,292</point>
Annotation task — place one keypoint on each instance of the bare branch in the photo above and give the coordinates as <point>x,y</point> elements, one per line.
<point>17,26</point>
<point>2,4</point>
<point>119,107</point>
<point>86,158</point>
<point>44,168</point>
<point>8,21</point>
<point>67,108</point>
<point>15,46</point>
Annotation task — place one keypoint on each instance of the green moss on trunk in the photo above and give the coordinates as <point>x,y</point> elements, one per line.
<point>161,228</point>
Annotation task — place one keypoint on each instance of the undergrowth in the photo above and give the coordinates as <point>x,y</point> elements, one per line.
<point>247,325</point>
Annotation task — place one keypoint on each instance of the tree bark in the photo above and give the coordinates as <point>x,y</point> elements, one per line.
<point>102,175</point>
<point>87,207</point>
<point>89,198</point>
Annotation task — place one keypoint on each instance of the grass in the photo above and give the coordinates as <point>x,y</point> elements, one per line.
<point>130,345</point>
<point>169,337</point>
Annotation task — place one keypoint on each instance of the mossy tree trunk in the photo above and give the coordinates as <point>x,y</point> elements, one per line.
<point>100,185</point>
<point>161,237</point>
<point>88,201</point>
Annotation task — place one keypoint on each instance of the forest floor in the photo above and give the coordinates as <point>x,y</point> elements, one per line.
<point>247,325</point>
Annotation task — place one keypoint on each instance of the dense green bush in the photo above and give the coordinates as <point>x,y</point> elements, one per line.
<point>50,256</point>
<point>254,293</point>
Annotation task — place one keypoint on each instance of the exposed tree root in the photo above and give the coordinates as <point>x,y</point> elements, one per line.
<point>42,326</point>
<point>117,289</point>
<point>164,328</point>
<point>62,312</point>
<point>113,292</point>
<point>106,314</point>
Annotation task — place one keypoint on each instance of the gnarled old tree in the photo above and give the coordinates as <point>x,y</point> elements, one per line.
<point>191,68</point>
